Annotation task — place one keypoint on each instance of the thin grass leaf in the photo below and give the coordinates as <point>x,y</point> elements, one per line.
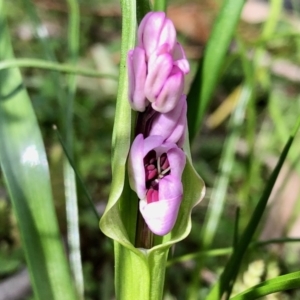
<point>46,45</point>
<point>219,191</point>
<point>226,251</point>
<point>281,283</point>
<point>209,67</point>
<point>160,5</point>
<point>25,169</point>
<point>273,18</point>
<point>52,66</point>
<point>72,215</point>
<point>39,30</point>
<point>226,281</point>
<point>78,176</point>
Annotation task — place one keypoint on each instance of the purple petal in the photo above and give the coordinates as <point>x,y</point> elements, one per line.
<point>180,59</point>
<point>152,142</point>
<point>164,148</point>
<point>177,161</point>
<point>167,35</point>
<point>140,147</point>
<point>149,31</point>
<point>170,93</point>
<point>159,69</point>
<point>178,134</point>
<point>136,167</point>
<point>161,216</point>
<point>181,141</point>
<point>155,29</point>
<point>176,157</point>
<point>172,125</point>
<point>137,69</point>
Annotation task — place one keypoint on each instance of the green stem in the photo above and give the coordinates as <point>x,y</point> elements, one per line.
<point>139,276</point>
<point>71,162</point>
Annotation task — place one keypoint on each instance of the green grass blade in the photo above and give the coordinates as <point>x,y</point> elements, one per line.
<point>273,18</point>
<point>209,67</point>
<point>72,214</point>
<point>25,168</point>
<point>225,251</point>
<point>78,176</point>
<point>278,284</point>
<point>225,283</point>
<point>46,46</point>
<point>160,5</point>
<point>52,66</point>
<point>219,192</point>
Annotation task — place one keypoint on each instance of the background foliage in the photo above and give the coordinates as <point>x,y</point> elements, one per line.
<point>249,117</point>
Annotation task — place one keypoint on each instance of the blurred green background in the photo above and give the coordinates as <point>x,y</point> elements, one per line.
<point>39,30</point>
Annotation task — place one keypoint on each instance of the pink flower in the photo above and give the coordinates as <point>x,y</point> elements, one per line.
<point>155,170</point>
<point>156,67</point>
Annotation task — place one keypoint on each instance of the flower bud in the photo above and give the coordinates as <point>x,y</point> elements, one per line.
<point>172,125</point>
<point>155,30</point>
<point>170,93</point>
<point>180,59</point>
<point>159,69</point>
<point>137,70</point>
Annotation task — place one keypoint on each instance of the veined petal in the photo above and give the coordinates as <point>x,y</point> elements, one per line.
<point>161,215</point>
<point>137,70</point>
